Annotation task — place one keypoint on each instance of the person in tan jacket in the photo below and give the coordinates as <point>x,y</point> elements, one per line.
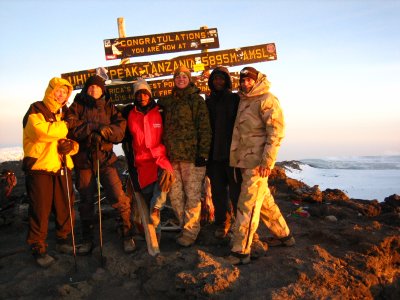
<point>257,134</point>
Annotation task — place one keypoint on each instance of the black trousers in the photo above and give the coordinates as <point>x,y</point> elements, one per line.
<point>225,189</point>
<point>111,182</point>
<point>48,194</point>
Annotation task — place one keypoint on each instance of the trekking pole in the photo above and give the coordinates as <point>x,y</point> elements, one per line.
<point>99,205</point>
<point>70,212</point>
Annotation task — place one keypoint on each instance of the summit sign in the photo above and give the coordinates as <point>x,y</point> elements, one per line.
<point>120,48</point>
<point>195,62</point>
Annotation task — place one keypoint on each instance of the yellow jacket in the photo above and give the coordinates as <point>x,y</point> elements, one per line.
<point>42,128</point>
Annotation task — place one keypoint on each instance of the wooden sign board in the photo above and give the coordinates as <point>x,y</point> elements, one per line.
<point>195,62</point>
<point>120,48</point>
<point>123,93</point>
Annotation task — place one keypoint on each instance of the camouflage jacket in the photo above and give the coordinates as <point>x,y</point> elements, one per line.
<point>187,130</point>
<point>259,128</point>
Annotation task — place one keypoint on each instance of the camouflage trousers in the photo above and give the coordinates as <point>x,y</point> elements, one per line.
<point>185,196</point>
<point>255,202</point>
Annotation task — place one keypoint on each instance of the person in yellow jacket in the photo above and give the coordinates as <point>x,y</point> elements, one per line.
<point>257,134</point>
<point>47,165</point>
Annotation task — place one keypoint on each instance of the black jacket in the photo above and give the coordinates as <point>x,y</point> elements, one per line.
<point>222,106</point>
<point>87,116</point>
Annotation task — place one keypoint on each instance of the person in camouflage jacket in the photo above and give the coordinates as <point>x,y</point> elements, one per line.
<point>257,134</point>
<point>187,137</point>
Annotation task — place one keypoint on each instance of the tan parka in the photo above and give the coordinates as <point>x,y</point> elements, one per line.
<point>42,128</point>
<point>259,128</point>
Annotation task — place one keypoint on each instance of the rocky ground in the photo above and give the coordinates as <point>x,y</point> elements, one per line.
<point>346,249</point>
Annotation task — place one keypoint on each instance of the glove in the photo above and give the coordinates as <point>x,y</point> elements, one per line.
<point>64,146</point>
<point>166,180</point>
<point>200,162</point>
<point>95,139</point>
<point>106,132</point>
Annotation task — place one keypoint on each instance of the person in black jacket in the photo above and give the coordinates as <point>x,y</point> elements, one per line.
<point>96,126</point>
<point>225,182</point>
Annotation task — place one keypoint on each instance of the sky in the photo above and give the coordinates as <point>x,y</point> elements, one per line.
<point>337,75</point>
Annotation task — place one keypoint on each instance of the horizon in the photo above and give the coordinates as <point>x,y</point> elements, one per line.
<point>336,75</point>
<point>16,153</point>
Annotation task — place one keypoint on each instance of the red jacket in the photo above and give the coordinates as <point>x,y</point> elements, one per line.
<point>150,153</point>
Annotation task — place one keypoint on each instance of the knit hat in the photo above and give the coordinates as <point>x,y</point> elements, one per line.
<point>141,84</point>
<point>249,72</point>
<point>95,80</point>
<point>183,69</point>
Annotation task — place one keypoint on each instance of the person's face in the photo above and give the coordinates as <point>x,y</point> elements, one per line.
<point>61,94</point>
<point>181,81</point>
<point>142,98</point>
<point>246,84</point>
<point>219,82</point>
<point>95,91</point>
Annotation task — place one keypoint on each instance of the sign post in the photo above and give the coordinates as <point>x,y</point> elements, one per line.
<point>125,74</point>
<point>121,34</point>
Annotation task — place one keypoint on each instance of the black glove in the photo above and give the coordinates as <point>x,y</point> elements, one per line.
<point>64,146</point>
<point>200,162</point>
<point>95,139</point>
<point>106,132</point>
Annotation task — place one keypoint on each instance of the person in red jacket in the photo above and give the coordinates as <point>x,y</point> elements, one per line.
<point>154,170</point>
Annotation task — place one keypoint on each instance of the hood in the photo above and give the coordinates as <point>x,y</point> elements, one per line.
<point>261,87</point>
<point>49,99</point>
<point>220,71</point>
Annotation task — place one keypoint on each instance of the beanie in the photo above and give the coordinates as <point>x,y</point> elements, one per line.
<point>95,80</point>
<point>183,69</point>
<point>141,84</point>
<point>249,72</point>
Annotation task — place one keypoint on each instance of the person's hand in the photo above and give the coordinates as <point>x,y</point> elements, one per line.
<point>167,178</point>
<point>263,171</point>
<point>64,146</point>
<point>95,139</point>
<point>106,132</point>
<point>200,162</point>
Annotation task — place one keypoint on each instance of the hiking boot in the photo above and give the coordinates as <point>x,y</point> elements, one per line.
<point>221,232</point>
<point>64,246</point>
<point>44,260</point>
<point>185,241</point>
<point>258,249</point>
<point>238,259</point>
<point>155,217</point>
<point>288,241</point>
<point>84,248</point>
<point>129,245</point>
<point>40,254</point>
